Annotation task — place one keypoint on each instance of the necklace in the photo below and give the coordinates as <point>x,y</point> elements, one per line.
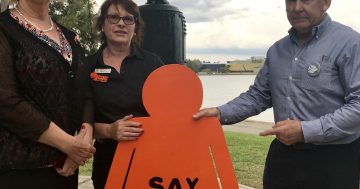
<point>28,21</point>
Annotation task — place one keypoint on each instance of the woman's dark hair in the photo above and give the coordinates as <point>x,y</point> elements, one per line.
<point>132,8</point>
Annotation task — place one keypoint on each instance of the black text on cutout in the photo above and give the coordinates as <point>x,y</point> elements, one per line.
<point>157,182</point>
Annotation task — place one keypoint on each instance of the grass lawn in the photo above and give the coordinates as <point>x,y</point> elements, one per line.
<point>248,154</point>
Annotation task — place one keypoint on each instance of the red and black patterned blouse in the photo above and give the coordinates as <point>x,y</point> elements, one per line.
<point>40,82</point>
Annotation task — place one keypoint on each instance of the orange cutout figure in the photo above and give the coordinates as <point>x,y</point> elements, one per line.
<point>175,151</point>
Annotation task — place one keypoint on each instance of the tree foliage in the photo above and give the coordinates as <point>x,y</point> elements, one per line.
<point>78,16</point>
<point>194,64</point>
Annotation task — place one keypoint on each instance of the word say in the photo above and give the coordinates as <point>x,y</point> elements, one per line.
<point>157,182</point>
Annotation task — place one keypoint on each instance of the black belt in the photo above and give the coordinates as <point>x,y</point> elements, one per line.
<point>305,146</point>
<point>310,146</point>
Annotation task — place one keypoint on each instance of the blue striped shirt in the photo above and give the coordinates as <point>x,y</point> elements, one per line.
<point>317,83</point>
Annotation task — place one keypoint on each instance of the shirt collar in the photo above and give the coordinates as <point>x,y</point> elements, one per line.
<point>316,31</point>
<point>134,52</point>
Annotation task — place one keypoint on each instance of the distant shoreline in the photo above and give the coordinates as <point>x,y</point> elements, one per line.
<point>240,73</point>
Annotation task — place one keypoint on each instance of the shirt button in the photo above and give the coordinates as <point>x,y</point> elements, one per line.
<point>290,77</point>
<point>71,74</point>
<point>289,98</point>
<point>296,58</point>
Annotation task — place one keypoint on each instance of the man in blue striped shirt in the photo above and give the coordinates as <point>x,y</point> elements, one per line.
<point>311,78</point>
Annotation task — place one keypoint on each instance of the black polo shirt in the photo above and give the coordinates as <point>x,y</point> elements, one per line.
<point>120,95</point>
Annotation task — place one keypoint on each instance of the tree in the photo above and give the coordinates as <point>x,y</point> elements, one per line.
<point>78,16</point>
<point>194,64</point>
<point>3,5</point>
<point>225,69</point>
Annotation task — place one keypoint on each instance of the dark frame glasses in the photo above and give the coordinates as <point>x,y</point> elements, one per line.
<point>114,19</point>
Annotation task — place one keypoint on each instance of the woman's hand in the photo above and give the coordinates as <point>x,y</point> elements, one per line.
<point>88,138</point>
<point>81,150</point>
<point>75,147</point>
<point>69,168</point>
<point>123,129</point>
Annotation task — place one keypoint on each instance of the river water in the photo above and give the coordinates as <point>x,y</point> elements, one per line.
<point>219,89</point>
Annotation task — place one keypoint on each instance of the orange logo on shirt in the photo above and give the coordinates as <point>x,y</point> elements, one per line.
<point>100,78</point>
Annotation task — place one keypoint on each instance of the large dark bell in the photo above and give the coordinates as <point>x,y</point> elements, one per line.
<point>165,31</point>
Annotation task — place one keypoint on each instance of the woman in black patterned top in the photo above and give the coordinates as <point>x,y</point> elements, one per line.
<point>44,100</point>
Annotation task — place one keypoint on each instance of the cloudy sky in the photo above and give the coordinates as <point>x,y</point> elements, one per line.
<point>221,30</point>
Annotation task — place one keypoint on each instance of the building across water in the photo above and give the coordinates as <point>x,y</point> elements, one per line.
<point>248,66</point>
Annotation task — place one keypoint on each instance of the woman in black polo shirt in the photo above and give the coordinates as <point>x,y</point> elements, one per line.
<point>120,68</point>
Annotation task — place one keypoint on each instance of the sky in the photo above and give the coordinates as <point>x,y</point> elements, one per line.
<point>223,30</point>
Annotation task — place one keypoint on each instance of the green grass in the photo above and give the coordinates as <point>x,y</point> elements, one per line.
<point>248,154</point>
<point>86,169</point>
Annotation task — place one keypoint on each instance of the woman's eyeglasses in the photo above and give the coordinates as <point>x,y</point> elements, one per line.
<point>114,19</point>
